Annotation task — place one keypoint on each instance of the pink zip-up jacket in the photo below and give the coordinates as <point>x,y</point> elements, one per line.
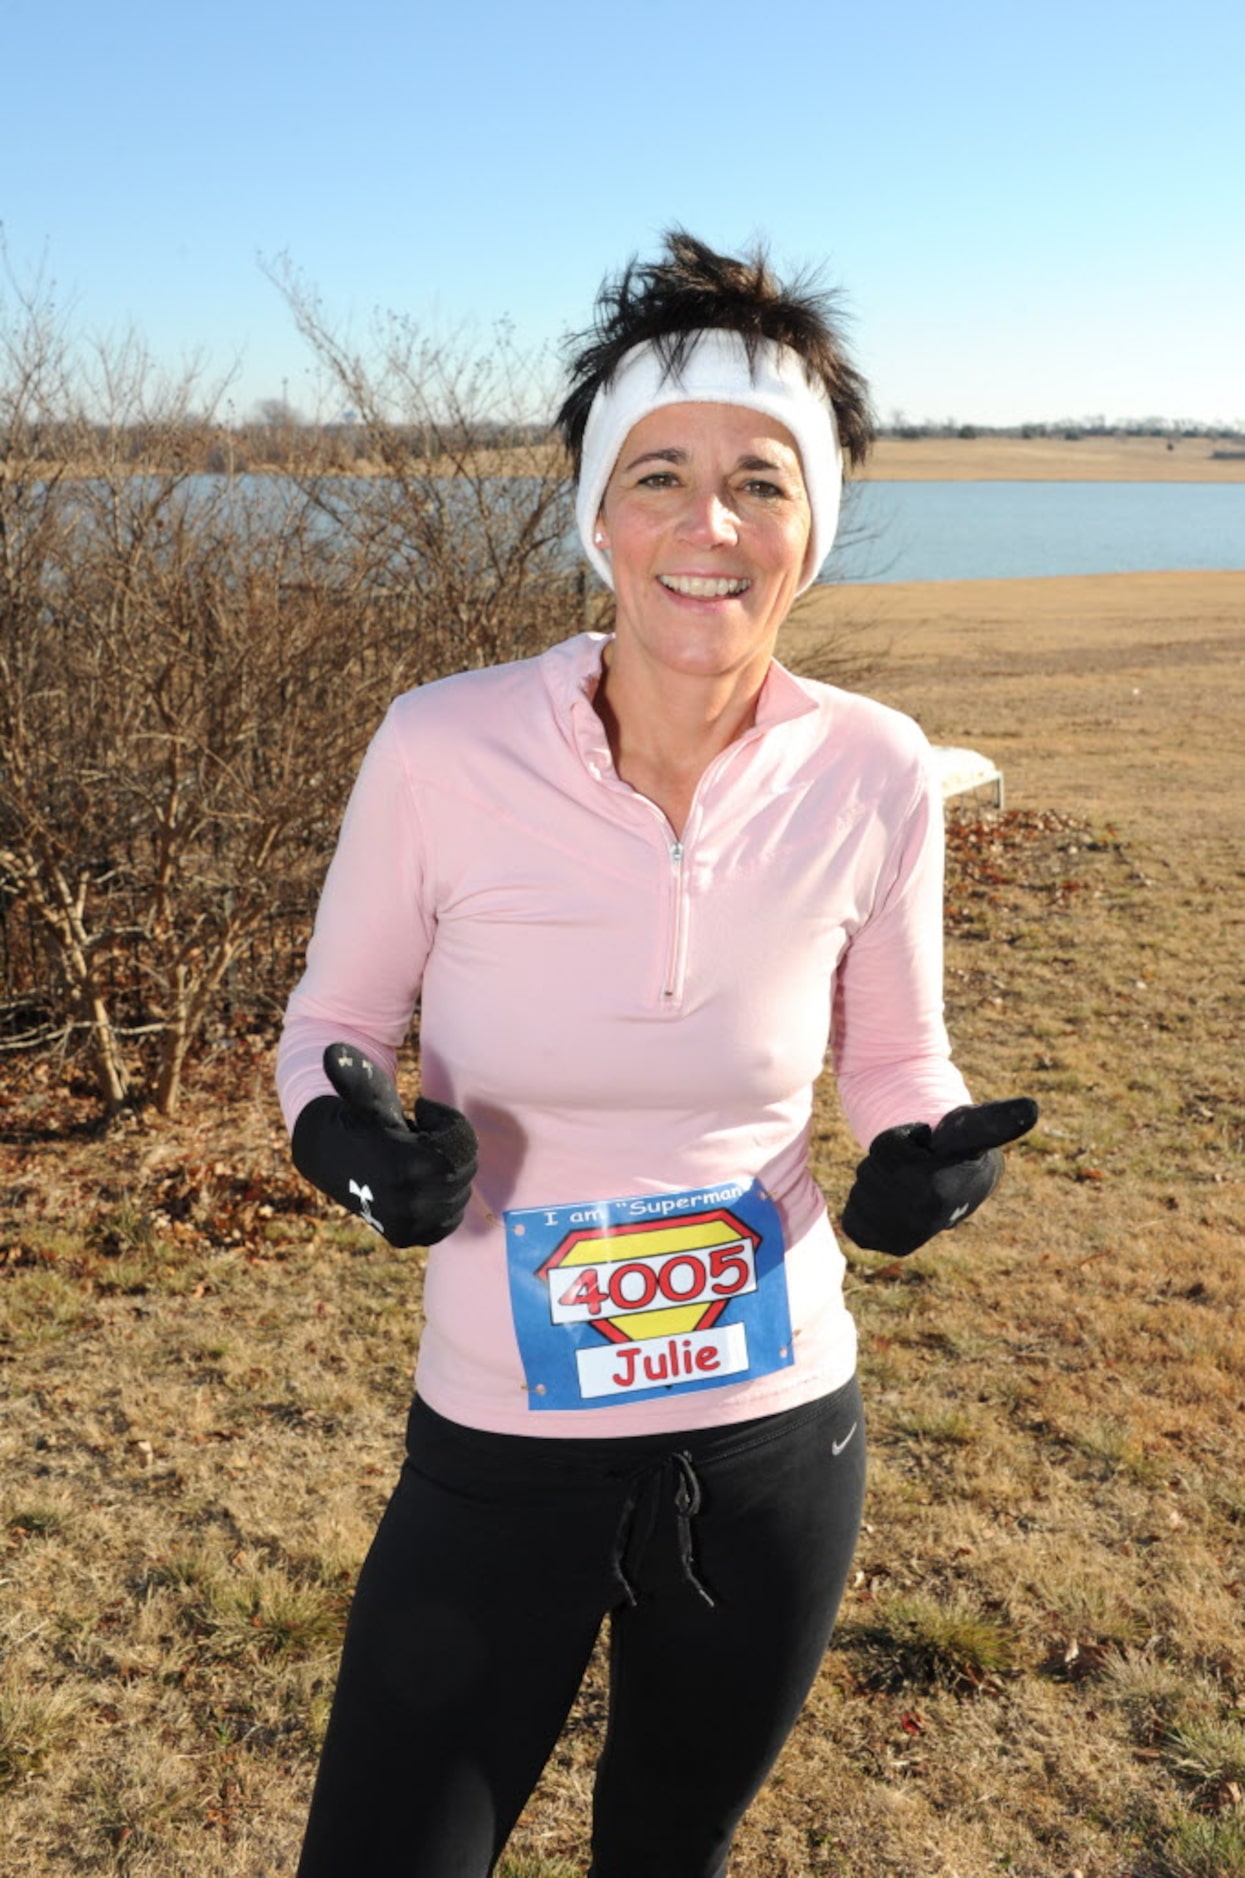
<point>634,1025</point>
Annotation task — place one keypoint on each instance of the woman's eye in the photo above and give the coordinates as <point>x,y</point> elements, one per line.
<point>658,479</point>
<point>759,487</point>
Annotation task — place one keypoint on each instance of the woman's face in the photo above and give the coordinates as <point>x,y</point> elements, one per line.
<point>707,521</point>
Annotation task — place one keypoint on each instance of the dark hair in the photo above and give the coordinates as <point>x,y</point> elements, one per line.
<point>692,289</point>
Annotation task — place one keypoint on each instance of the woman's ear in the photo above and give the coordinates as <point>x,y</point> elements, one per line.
<point>600,534</point>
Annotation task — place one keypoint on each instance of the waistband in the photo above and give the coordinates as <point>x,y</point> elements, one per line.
<point>562,1457</point>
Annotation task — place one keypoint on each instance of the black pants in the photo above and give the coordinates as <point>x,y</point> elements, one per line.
<point>719,1556</point>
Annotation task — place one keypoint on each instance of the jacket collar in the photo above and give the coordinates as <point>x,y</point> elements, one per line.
<point>572,672</point>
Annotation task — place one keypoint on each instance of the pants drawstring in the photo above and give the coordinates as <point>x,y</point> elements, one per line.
<point>687,1503</point>
<point>688,1499</point>
<point>621,1537</point>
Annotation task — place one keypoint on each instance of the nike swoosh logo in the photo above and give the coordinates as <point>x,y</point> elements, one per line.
<point>958,1214</point>
<point>837,1447</point>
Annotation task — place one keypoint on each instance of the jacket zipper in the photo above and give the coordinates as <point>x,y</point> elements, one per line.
<point>673,980</point>
<point>670,986</point>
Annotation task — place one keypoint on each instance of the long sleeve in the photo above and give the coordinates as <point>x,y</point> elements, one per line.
<point>372,933</point>
<point>891,1052</point>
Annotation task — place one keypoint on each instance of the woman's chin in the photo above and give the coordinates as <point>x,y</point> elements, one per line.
<point>710,645</point>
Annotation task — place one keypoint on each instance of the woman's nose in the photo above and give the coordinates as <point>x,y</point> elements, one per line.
<point>707,518</point>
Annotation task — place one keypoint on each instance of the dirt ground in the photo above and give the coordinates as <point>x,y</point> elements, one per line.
<point>1040,1663</point>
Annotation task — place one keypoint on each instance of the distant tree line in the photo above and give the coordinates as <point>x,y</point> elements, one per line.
<point>278,439</point>
<point>1169,429</point>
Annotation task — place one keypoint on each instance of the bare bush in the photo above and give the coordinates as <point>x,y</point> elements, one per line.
<point>191,666</point>
<point>39,869</point>
<point>470,509</point>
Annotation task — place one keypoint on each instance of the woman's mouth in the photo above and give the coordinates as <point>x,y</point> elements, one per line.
<point>703,586</point>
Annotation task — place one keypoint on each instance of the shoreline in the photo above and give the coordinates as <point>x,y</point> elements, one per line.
<point>1044,604</point>
<point>1056,459</point>
<point>974,582</point>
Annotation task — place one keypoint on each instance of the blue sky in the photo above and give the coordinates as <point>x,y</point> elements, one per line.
<point>1036,212</point>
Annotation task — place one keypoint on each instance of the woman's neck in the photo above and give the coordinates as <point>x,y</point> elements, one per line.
<point>665,728</point>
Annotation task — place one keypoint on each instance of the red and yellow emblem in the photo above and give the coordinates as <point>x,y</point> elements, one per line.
<point>651,1278</point>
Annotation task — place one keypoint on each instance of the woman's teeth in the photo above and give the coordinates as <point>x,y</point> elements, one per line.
<point>697,587</point>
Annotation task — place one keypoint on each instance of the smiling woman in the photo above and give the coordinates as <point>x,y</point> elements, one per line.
<point>717,535</point>
<point>707,420</point>
<point>642,886</point>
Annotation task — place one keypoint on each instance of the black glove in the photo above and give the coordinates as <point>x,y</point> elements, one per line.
<point>408,1180</point>
<point>916,1180</point>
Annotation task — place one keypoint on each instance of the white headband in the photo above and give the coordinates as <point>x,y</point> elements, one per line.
<point>716,371</point>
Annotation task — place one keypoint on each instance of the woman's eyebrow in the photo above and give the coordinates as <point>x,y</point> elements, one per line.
<point>680,456</point>
<point>656,456</point>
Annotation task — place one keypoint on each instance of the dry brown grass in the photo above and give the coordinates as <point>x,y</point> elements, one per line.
<point>1040,1667</point>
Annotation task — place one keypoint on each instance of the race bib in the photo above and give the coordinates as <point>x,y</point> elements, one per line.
<point>661,1293</point>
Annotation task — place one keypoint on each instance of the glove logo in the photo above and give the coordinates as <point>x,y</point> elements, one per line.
<point>365,1196</point>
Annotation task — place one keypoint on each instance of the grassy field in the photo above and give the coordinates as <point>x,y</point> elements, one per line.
<point>1040,1668</point>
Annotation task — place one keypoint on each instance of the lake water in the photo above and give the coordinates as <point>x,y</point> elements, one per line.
<point>938,530</point>
<point>1006,530</point>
